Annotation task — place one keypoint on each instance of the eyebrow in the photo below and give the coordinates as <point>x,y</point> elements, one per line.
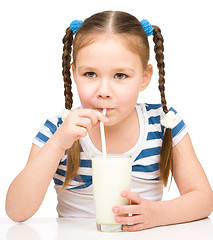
<point>124,69</point>
<point>116,69</point>
<point>84,67</point>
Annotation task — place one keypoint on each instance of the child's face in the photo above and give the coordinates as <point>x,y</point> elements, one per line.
<point>109,75</point>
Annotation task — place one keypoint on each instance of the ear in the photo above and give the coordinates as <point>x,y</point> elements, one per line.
<point>147,77</point>
<point>73,72</point>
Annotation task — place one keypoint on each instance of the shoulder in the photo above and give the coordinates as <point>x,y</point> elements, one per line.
<point>47,130</point>
<point>154,113</point>
<point>52,123</point>
<point>154,109</point>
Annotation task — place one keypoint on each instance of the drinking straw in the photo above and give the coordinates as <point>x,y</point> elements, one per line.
<point>103,140</point>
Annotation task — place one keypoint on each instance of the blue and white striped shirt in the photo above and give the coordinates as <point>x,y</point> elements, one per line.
<point>77,200</point>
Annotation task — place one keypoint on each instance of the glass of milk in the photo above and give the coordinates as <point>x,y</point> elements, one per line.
<point>111,175</point>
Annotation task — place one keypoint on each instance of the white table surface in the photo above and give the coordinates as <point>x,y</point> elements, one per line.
<point>85,228</point>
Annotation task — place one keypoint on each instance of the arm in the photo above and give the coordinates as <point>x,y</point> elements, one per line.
<point>195,201</point>
<point>28,189</point>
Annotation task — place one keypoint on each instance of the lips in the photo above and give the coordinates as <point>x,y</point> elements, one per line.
<point>101,109</point>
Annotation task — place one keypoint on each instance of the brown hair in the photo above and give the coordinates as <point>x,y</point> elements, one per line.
<point>127,26</point>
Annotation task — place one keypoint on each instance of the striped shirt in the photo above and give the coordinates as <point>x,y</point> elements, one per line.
<point>77,199</point>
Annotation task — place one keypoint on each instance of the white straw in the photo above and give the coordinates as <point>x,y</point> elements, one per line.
<point>103,141</point>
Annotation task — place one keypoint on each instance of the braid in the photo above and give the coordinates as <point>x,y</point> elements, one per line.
<point>166,148</point>
<point>159,49</point>
<point>66,57</point>
<point>73,153</point>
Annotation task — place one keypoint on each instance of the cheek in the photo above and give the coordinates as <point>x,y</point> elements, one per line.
<point>85,95</point>
<point>130,96</point>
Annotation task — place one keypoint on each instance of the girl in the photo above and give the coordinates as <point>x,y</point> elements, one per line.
<point>110,67</point>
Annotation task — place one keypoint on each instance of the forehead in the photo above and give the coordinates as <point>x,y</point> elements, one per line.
<point>112,43</point>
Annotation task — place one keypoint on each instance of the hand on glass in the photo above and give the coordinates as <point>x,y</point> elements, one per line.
<point>143,211</point>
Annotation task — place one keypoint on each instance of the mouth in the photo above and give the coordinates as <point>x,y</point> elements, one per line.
<point>101,109</point>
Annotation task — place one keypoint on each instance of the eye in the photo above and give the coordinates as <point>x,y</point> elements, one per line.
<point>90,74</point>
<point>120,76</point>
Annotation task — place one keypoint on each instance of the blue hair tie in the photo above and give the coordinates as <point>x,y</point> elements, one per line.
<point>75,25</point>
<point>147,27</point>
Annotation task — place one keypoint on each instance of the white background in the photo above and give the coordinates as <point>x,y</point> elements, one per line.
<point>31,87</point>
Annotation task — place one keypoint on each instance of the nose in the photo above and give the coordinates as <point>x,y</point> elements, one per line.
<point>104,90</point>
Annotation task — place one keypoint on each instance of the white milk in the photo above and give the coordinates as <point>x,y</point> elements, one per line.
<point>111,176</point>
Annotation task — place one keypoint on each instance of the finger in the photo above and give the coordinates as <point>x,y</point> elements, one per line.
<point>132,196</point>
<point>79,132</point>
<point>133,228</point>
<point>128,219</point>
<point>101,116</point>
<point>88,113</point>
<point>94,115</point>
<point>85,123</point>
<point>126,209</point>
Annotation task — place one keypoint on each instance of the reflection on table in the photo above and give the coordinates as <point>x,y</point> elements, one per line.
<point>85,228</point>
